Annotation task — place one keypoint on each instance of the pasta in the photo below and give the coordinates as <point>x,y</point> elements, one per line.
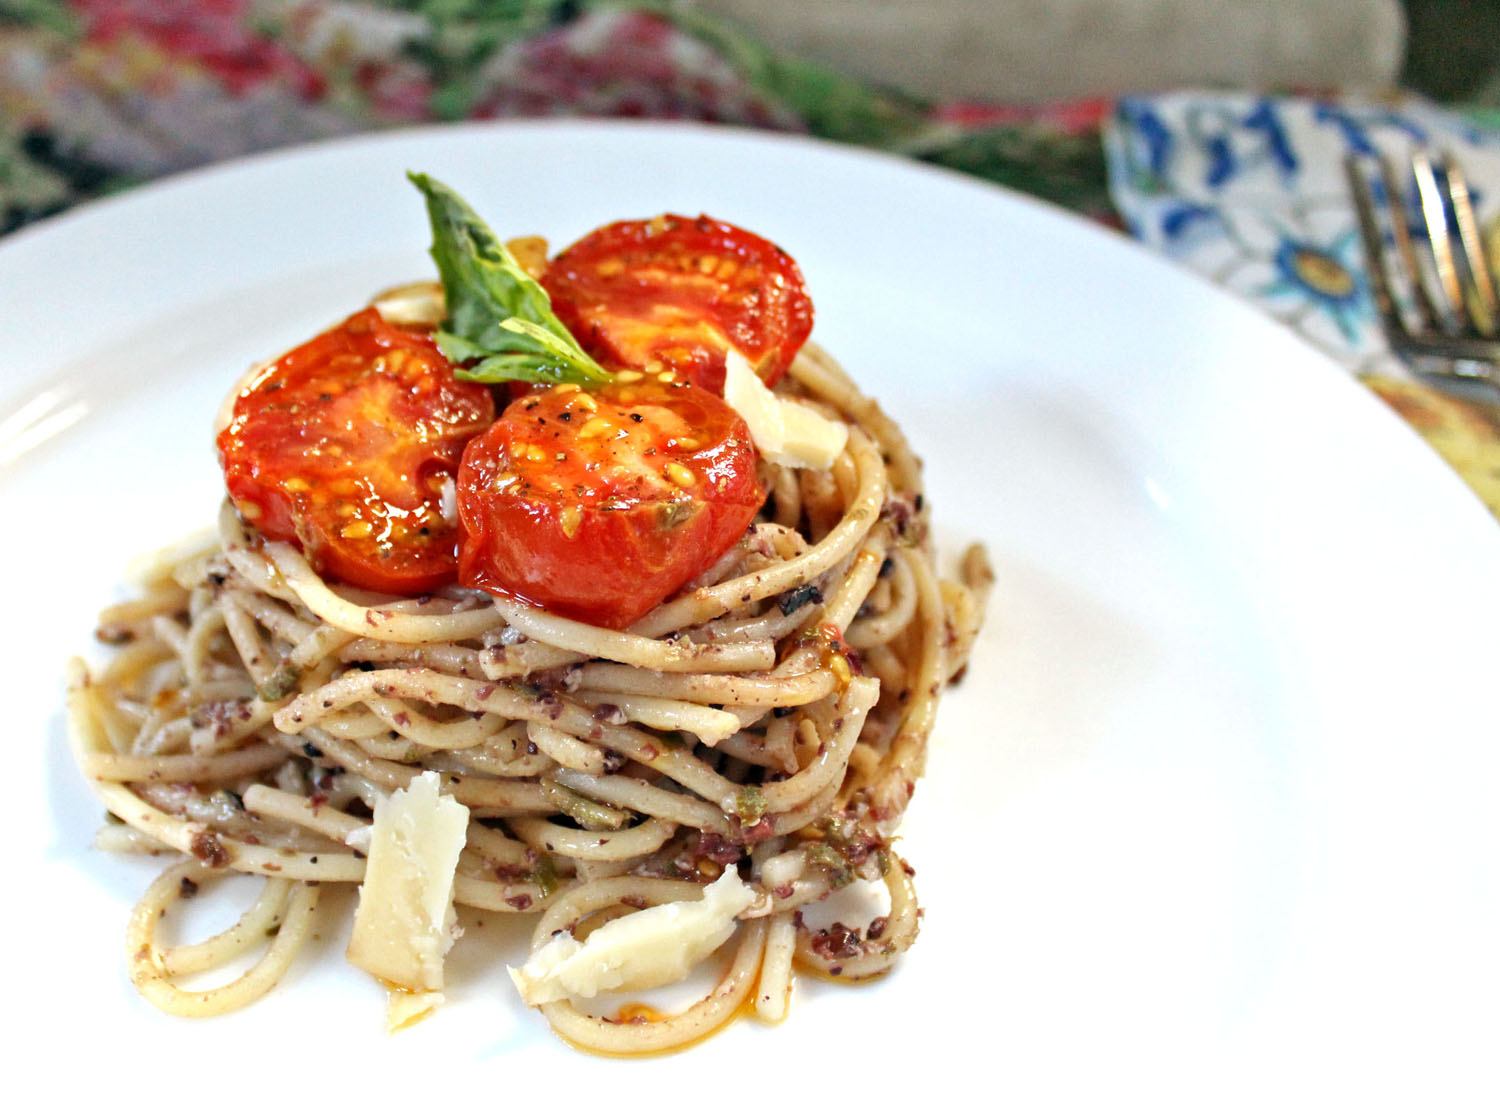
<point>771,718</point>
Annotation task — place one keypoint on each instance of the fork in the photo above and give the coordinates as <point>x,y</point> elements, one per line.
<point>1436,302</point>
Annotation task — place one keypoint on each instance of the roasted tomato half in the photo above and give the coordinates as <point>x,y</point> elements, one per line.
<point>599,505</point>
<point>676,293</point>
<point>348,445</point>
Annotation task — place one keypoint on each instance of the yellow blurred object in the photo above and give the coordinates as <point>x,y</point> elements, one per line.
<point>1465,433</point>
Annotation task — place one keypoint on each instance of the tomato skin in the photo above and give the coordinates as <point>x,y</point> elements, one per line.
<point>342,445</point>
<point>599,506</point>
<point>676,293</point>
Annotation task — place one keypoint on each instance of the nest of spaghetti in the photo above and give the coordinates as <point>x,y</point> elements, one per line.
<point>772,717</point>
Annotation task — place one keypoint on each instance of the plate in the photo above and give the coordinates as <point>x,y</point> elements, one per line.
<point>1215,807</point>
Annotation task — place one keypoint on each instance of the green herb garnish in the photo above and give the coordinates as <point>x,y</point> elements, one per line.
<point>500,325</point>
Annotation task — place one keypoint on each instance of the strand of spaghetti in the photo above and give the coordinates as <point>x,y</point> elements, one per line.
<point>272,614</point>
<point>774,625</point>
<point>904,758</point>
<point>156,568</point>
<point>200,636</point>
<point>373,622</point>
<point>474,763</point>
<point>354,724</point>
<point>567,751</point>
<point>122,838</point>
<point>318,645</point>
<point>461,733</point>
<point>587,812</point>
<point>860,515</point>
<point>676,654</point>
<point>643,797</point>
<point>196,570</point>
<point>822,504</point>
<point>851,593</point>
<point>815,809</point>
<point>305,813</point>
<point>256,571</point>
<point>456,660</point>
<point>494,846</point>
<point>966,602</point>
<point>185,768</point>
<point>632,842</point>
<point>504,662</point>
<point>774,990</point>
<point>167,601</point>
<point>878,951</point>
<point>751,748</point>
<point>388,746</point>
<point>155,984</point>
<point>239,624</point>
<point>504,796</point>
<point>769,748</point>
<point>499,897</point>
<point>161,733</point>
<point>766,690</point>
<point>844,476</point>
<point>228,726</point>
<point>135,658</point>
<point>425,686</point>
<point>849,719</point>
<point>705,723</point>
<point>677,764</point>
<point>786,496</point>
<point>878,629</point>
<point>251,930</point>
<point>172,633</point>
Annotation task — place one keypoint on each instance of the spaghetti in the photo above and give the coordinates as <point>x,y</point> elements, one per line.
<point>773,716</point>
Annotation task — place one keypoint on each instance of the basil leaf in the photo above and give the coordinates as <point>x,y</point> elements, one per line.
<point>500,325</point>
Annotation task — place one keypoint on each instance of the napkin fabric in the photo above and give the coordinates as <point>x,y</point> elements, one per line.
<point>1251,192</point>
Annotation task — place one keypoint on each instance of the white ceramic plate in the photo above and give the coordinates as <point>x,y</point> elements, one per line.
<point>1215,810</point>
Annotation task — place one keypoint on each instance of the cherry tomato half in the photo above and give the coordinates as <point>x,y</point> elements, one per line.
<point>600,505</point>
<point>347,446</point>
<point>677,293</point>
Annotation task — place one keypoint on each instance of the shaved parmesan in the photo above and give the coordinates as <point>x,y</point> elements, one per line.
<point>412,304</point>
<point>637,951</point>
<point>402,1008</point>
<point>404,923</point>
<point>784,431</point>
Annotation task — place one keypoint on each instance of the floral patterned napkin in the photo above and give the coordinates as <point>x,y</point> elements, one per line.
<point>1250,191</point>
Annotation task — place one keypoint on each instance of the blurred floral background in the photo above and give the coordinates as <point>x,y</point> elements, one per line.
<point>98,94</point>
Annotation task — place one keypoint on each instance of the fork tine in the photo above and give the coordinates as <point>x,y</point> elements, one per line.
<point>1427,307</point>
<point>1483,309</point>
<point>1375,253</point>
<point>1435,215</point>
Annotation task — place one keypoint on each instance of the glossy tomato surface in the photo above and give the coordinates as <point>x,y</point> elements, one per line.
<point>599,505</point>
<point>675,293</point>
<point>347,446</point>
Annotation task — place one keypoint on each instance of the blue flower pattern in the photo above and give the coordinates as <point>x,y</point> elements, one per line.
<point>1250,191</point>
